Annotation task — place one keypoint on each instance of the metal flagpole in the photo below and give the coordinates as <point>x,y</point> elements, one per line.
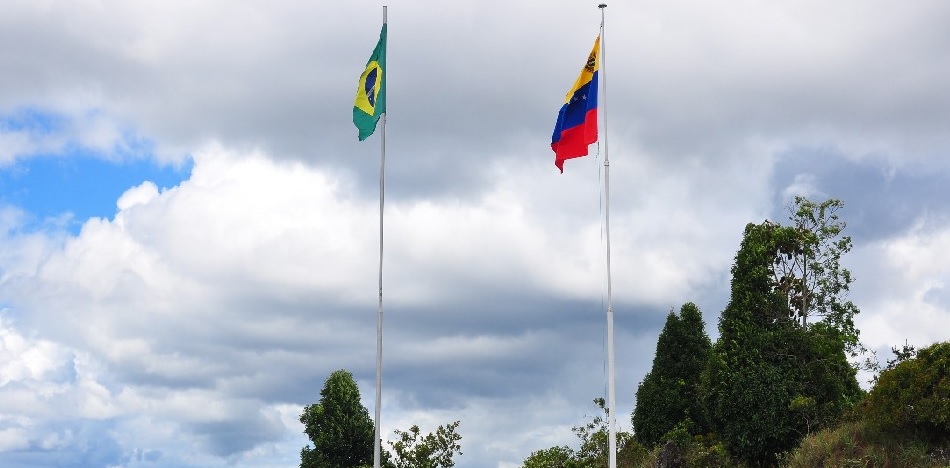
<point>611,399</point>
<point>379,314</point>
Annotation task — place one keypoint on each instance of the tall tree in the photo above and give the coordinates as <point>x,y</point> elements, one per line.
<point>808,270</point>
<point>668,394</point>
<point>339,426</point>
<point>770,380</point>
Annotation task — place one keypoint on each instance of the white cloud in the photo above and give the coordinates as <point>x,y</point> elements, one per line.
<point>140,195</point>
<point>200,301</point>
<point>804,186</point>
<point>221,304</point>
<point>26,133</point>
<point>905,294</point>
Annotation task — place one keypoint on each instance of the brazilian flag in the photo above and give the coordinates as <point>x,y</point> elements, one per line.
<point>371,95</point>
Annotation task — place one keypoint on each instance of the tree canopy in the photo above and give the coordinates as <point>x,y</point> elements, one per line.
<point>913,395</point>
<point>593,450</point>
<point>808,268</point>
<point>339,426</point>
<point>772,378</point>
<point>668,394</point>
<point>434,450</point>
<point>342,434</point>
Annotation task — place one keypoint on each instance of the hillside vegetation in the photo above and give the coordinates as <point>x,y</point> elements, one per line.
<point>777,387</point>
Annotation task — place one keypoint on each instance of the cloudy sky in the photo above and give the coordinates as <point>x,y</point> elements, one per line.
<point>189,226</point>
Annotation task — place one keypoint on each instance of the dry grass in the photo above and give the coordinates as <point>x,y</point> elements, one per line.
<point>853,444</point>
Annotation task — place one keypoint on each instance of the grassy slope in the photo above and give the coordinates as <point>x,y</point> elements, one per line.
<point>853,444</point>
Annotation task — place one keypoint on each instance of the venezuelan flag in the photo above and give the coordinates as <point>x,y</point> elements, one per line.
<point>576,125</point>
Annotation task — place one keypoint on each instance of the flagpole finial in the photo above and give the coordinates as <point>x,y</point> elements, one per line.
<point>602,6</point>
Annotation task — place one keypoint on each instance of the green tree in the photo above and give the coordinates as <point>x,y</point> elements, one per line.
<point>593,450</point>
<point>668,394</point>
<point>769,380</point>
<point>339,426</point>
<point>808,270</point>
<point>434,450</point>
<point>908,351</point>
<point>560,456</point>
<point>913,396</point>
<point>872,364</point>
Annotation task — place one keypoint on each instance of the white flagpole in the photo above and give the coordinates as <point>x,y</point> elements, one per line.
<point>611,378</point>
<point>379,314</point>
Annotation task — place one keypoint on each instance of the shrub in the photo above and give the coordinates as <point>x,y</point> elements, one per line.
<point>914,396</point>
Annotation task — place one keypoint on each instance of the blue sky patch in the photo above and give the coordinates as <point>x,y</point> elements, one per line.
<point>85,187</point>
<point>66,185</point>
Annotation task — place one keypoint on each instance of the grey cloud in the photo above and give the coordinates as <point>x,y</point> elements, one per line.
<point>712,116</point>
<point>89,443</point>
<point>238,434</point>
<point>881,200</point>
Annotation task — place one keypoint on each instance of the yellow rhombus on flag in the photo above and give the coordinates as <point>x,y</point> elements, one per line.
<point>371,94</point>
